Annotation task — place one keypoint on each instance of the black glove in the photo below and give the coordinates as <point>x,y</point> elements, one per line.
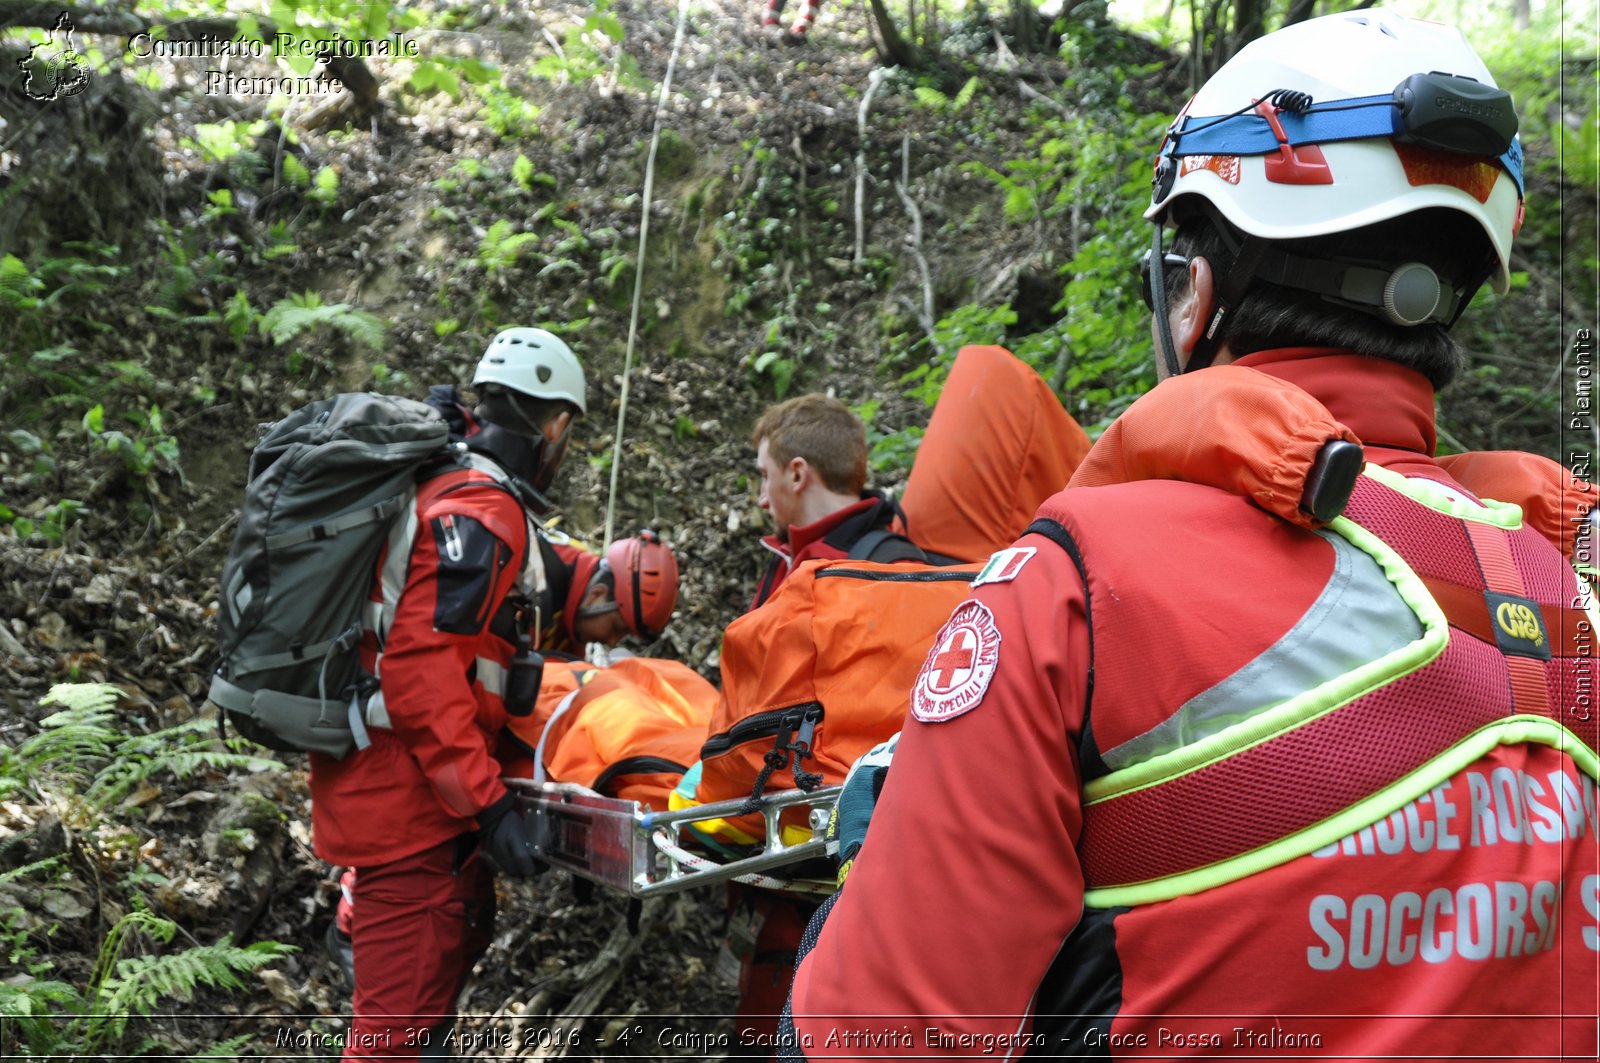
<point>506,841</point>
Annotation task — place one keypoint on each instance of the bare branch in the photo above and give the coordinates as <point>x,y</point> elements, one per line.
<point>915,213</point>
<point>873,81</point>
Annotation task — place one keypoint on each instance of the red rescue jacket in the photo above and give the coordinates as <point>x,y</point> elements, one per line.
<point>442,671</point>
<point>1465,921</point>
<point>827,539</point>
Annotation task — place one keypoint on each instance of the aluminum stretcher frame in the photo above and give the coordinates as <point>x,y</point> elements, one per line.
<point>625,847</point>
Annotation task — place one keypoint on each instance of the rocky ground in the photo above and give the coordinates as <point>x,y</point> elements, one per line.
<point>756,246</point>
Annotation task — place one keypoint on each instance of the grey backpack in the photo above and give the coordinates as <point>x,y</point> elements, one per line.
<point>325,486</point>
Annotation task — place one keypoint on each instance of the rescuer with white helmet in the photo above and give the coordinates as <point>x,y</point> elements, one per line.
<point>530,390</point>
<point>1180,777</point>
<point>1360,162</point>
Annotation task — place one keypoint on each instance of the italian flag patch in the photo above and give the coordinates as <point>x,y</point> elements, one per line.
<point>1004,566</point>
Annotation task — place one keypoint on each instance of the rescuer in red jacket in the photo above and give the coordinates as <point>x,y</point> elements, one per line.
<point>1179,778</point>
<point>811,454</point>
<point>632,590</point>
<point>421,812</point>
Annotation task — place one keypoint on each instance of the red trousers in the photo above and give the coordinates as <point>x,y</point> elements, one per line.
<point>420,925</point>
<point>766,975</point>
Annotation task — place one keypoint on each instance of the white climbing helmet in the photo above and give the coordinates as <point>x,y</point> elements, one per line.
<point>533,362</point>
<point>1392,127</point>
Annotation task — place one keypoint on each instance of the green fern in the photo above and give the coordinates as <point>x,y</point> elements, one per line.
<point>82,753</point>
<point>82,760</point>
<point>122,777</point>
<point>500,247</point>
<point>82,697</point>
<point>30,1013</point>
<point>17,284</point>
<point>28,869</point>
<point>122,987</point>
<point>290,317</point>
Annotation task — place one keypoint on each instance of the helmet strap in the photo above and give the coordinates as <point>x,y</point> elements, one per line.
<point>1230,289</point>
<point>602,577</point>
<point>1158,296</point>
<point>519,455</point>
<point>551,455</point>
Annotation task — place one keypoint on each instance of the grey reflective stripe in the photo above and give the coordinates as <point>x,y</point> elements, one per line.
<point>538,752</point>
<point>396,562</point>
<point>378,617</point>
<point>323,530</point>
<point>378,712</point>
<point>1358,618</point>
<point>492,675</point>
<point>358,728</point>
<point>531,581</point>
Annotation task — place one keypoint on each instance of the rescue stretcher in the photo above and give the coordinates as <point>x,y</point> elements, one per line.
<point>626,847</point>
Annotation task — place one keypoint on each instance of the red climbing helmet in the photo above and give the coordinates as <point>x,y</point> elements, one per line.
<point>644,577</point>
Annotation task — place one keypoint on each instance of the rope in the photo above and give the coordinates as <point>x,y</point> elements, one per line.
<point>638,272</point>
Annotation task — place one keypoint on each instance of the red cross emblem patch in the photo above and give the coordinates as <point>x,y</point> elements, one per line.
<point>959,667</point>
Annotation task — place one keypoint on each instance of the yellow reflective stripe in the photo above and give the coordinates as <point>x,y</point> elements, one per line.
<point>1513,730</point>
<point>1424,493</point>
<point>1312,704</point>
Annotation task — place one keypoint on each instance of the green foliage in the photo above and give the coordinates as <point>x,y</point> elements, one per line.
<point>385,377</point>
<point>220,142</point>
<point>53,1018</point>
<point>325,188</point>
<point>84,760</point>
<point>239,316</point>
<point>778,368</point>
<point>51,525</point>
<point>890,453</point>
<point>501,247</point>
<point>593,51</point>
<point>295,172</point>
<point>507,115</point>
<point>82,763</point>
<point>288,318</point>
<point>149,449</point>
<point>1076,198</point>
<point>221,201</point>
<point>937,101</point>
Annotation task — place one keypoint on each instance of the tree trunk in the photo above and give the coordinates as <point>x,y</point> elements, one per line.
<point>1025,26</point>
<point>1299,11</point>
<point>893,49</point>
<point>1249,22</point>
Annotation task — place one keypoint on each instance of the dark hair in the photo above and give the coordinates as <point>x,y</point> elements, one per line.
<point>1272,316</point>
<point>821,430</point>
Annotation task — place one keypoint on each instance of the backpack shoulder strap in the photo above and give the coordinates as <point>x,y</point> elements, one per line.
<point>883,545</point>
